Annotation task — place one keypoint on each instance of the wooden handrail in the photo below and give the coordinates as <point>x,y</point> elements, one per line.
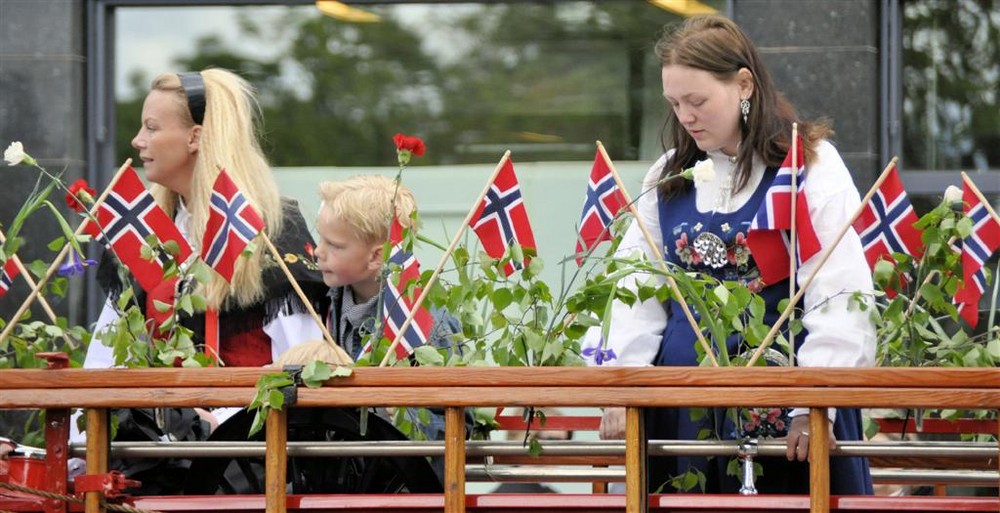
<point>458,388</point>
<point>975,378</point>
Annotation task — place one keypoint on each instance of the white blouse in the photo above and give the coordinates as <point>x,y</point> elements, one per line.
<point>839,333</point>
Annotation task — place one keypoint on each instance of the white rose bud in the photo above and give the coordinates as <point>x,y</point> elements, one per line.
<point>952,195</point>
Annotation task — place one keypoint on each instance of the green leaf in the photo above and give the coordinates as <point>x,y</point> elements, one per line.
<point>161,306</point>
<point>57,244</point>
<point>502,298</point>
<point>428,355</point>
<point>342,371</point>
<point>315,373</point>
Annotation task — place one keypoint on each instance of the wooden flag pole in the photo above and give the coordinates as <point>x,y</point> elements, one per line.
<point>62,254</point>
<point>339,353</point>
<point>444,260</point>
<point>659,257</point>
<point>822,260</point>
<point>982,198</point>
<point>793,249</point>
<point>31,283</point>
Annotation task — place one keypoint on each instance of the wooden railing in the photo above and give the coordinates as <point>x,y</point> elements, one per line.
<point>455,389</point>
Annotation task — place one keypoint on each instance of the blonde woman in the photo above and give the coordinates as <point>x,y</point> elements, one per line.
<point>193,124</point>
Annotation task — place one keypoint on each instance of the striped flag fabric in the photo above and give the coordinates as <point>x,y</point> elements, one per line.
<point>397,303</point>
<point>10,271</point>
<point>886,225</point>
<point>126,219</point>
<point>500,219</point>
<point>601,204</point>
<point>976,250</point>
<point>768,237</point>
<point>232,224</point>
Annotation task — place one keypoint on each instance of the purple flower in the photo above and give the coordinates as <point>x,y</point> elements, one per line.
<point>599,355</point>
<point>75,265</point>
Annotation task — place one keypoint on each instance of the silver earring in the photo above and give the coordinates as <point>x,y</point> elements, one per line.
<point>745,109</point>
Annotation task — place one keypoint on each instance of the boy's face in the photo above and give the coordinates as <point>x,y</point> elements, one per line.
<point>343,259</point>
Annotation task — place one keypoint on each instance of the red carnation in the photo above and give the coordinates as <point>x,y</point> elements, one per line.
<point>80,195</point>
<point>414,145</point>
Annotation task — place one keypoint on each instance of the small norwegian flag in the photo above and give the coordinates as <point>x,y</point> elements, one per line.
<point>397,304</point>
<point>602,203</point>
<point>500,219</point>
<point>232,224</point>
<point>886,224</point>
<point>976,250</point>
<point>767,238</point>
<point>10,271</point>
<point>126,218</point>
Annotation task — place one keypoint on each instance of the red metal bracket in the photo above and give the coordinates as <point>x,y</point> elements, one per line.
<point>113,484</point>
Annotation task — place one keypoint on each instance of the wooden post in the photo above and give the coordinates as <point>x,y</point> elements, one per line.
<point>819,461</point>
<point>275,461</point>
<point>636,497</point>
<point>97,455</point>
<point>454,460</point>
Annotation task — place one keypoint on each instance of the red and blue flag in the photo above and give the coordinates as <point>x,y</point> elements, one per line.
<point>768,237</point>
<point>125,220</point>
<point>886,225</point>
<point>398,299</point>
<point>500,219</point>
<point>976,250</point>
<point>232,224</point>
<point>10,271</point>
<point>602,203</point>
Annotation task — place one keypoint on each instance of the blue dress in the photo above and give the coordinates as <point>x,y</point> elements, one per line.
<point>715,244</point>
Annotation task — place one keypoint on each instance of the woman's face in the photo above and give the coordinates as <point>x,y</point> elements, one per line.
<point>167,145</point>
<point>706,107</point>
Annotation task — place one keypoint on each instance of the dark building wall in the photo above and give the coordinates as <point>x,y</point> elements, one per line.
<point>43,105</point>
<point>824,55</point>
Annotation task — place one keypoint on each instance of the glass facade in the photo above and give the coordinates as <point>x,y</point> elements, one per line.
<point>541,79</point>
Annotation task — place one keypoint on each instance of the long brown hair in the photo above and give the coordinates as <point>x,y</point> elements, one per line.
<point>717,45</point>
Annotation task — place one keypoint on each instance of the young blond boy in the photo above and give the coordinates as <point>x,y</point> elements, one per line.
<point>353,226</point>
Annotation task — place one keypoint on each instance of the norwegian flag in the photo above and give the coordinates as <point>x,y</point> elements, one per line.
<point>232,224</point>
<point>10,271</point>
<point>397,304</point>
<point>603,202</point>
<point>886,224</point>
<point>976,250</point>
<point>129,215</point>
<point>500,219</point>
<point>767,238</point>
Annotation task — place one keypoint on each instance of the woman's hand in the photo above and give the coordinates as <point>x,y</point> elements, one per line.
<point>613,424</point>
<point>797,447</point>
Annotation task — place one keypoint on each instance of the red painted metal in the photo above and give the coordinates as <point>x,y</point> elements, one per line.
<point>112,485</point>
<point>56,441</point>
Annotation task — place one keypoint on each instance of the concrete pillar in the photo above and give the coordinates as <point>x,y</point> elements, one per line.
<point>43,105</point>
<point>824,55</point>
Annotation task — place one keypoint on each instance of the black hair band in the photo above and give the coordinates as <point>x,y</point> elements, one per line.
<point>194,89</point>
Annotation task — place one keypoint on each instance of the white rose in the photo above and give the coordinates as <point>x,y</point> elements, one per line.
<point>703,172</point>
<point>14,154</point>
<point>952,195</point>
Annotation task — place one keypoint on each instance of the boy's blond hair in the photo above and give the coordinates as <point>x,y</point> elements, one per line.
<point>365,203</point>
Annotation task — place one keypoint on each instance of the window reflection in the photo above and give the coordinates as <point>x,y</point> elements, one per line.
<point>544,80</point>
<point>951,79</point>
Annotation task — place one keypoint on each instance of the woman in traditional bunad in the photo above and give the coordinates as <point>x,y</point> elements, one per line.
<point>725,108</point>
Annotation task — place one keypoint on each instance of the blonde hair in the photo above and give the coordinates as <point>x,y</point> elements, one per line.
<point>228,141</point>
<point>366,202</point>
